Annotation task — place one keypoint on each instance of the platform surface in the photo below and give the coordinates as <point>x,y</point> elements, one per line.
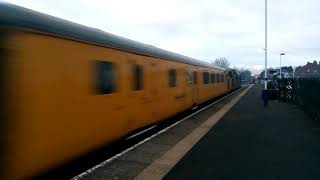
<point>252,142</point>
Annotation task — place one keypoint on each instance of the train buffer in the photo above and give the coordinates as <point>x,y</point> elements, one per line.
<point>241,140</point>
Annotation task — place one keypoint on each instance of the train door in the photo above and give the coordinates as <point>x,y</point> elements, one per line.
<point>138,93</point>
<point>188,90</point>
<point>229,81</point>
<point>173,76</point>
<point>145,92</point>
<point>195,87</point>
<point>152,96</point>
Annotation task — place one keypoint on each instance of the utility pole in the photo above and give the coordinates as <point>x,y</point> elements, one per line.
<point>266,45</point>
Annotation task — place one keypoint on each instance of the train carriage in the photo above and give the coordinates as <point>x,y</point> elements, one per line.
<point>67,89</point>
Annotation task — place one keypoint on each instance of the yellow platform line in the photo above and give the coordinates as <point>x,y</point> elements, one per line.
<point>160,167</point>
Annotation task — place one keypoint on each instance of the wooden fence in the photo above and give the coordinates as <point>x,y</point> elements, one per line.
<point>303,92</point>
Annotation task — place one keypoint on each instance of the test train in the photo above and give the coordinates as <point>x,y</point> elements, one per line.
<point>67,89</point>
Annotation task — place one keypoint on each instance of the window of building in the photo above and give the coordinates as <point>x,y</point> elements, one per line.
<point>137,74</point>
<point>172,78</point>
<point>195,77</point>
<point>212,78</point>
<point>206,78</point>
<point>105,77</point>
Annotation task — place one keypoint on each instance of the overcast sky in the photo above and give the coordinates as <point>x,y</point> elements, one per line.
<point>203,29</point>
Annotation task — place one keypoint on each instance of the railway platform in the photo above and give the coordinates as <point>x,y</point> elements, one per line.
<point>237,138</point>
<point>252,142</point>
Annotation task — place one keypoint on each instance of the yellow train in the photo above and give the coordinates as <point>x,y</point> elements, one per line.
<point>67,89</point>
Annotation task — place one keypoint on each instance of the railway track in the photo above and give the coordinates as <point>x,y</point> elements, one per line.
<point>89,163</point>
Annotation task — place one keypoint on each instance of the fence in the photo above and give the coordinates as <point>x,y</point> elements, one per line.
<point>303,92</point>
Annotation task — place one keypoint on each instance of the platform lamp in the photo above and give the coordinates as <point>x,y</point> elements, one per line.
<point>282,54</point>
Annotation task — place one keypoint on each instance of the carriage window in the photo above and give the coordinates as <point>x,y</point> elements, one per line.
<point>172,78</point>
<point>205,78</point>
<point>218,78</point>
<point>137,74</point>
<point>212,78</point>
<point>105,77</point>
<point>188,77</point>
<point>195,77</point>
<point>222,77</point>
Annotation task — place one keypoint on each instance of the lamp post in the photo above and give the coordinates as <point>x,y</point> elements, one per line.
<point>266,46</point>
<point>282,54</point>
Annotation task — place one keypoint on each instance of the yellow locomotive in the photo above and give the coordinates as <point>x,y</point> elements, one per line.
<point>67,89</point>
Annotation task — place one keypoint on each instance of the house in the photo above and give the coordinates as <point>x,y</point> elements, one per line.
<point>286,72</point>
<point>310,70</point>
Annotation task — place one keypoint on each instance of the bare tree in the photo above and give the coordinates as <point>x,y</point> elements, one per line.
<point>222,62</point>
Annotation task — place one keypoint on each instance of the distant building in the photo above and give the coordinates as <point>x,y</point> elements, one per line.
<point>286,72</point>
<point>310,70</point>
<point>270,74</point>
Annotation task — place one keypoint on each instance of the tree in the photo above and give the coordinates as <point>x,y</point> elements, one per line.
<point>245,75</point>
<point>221,62</point>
